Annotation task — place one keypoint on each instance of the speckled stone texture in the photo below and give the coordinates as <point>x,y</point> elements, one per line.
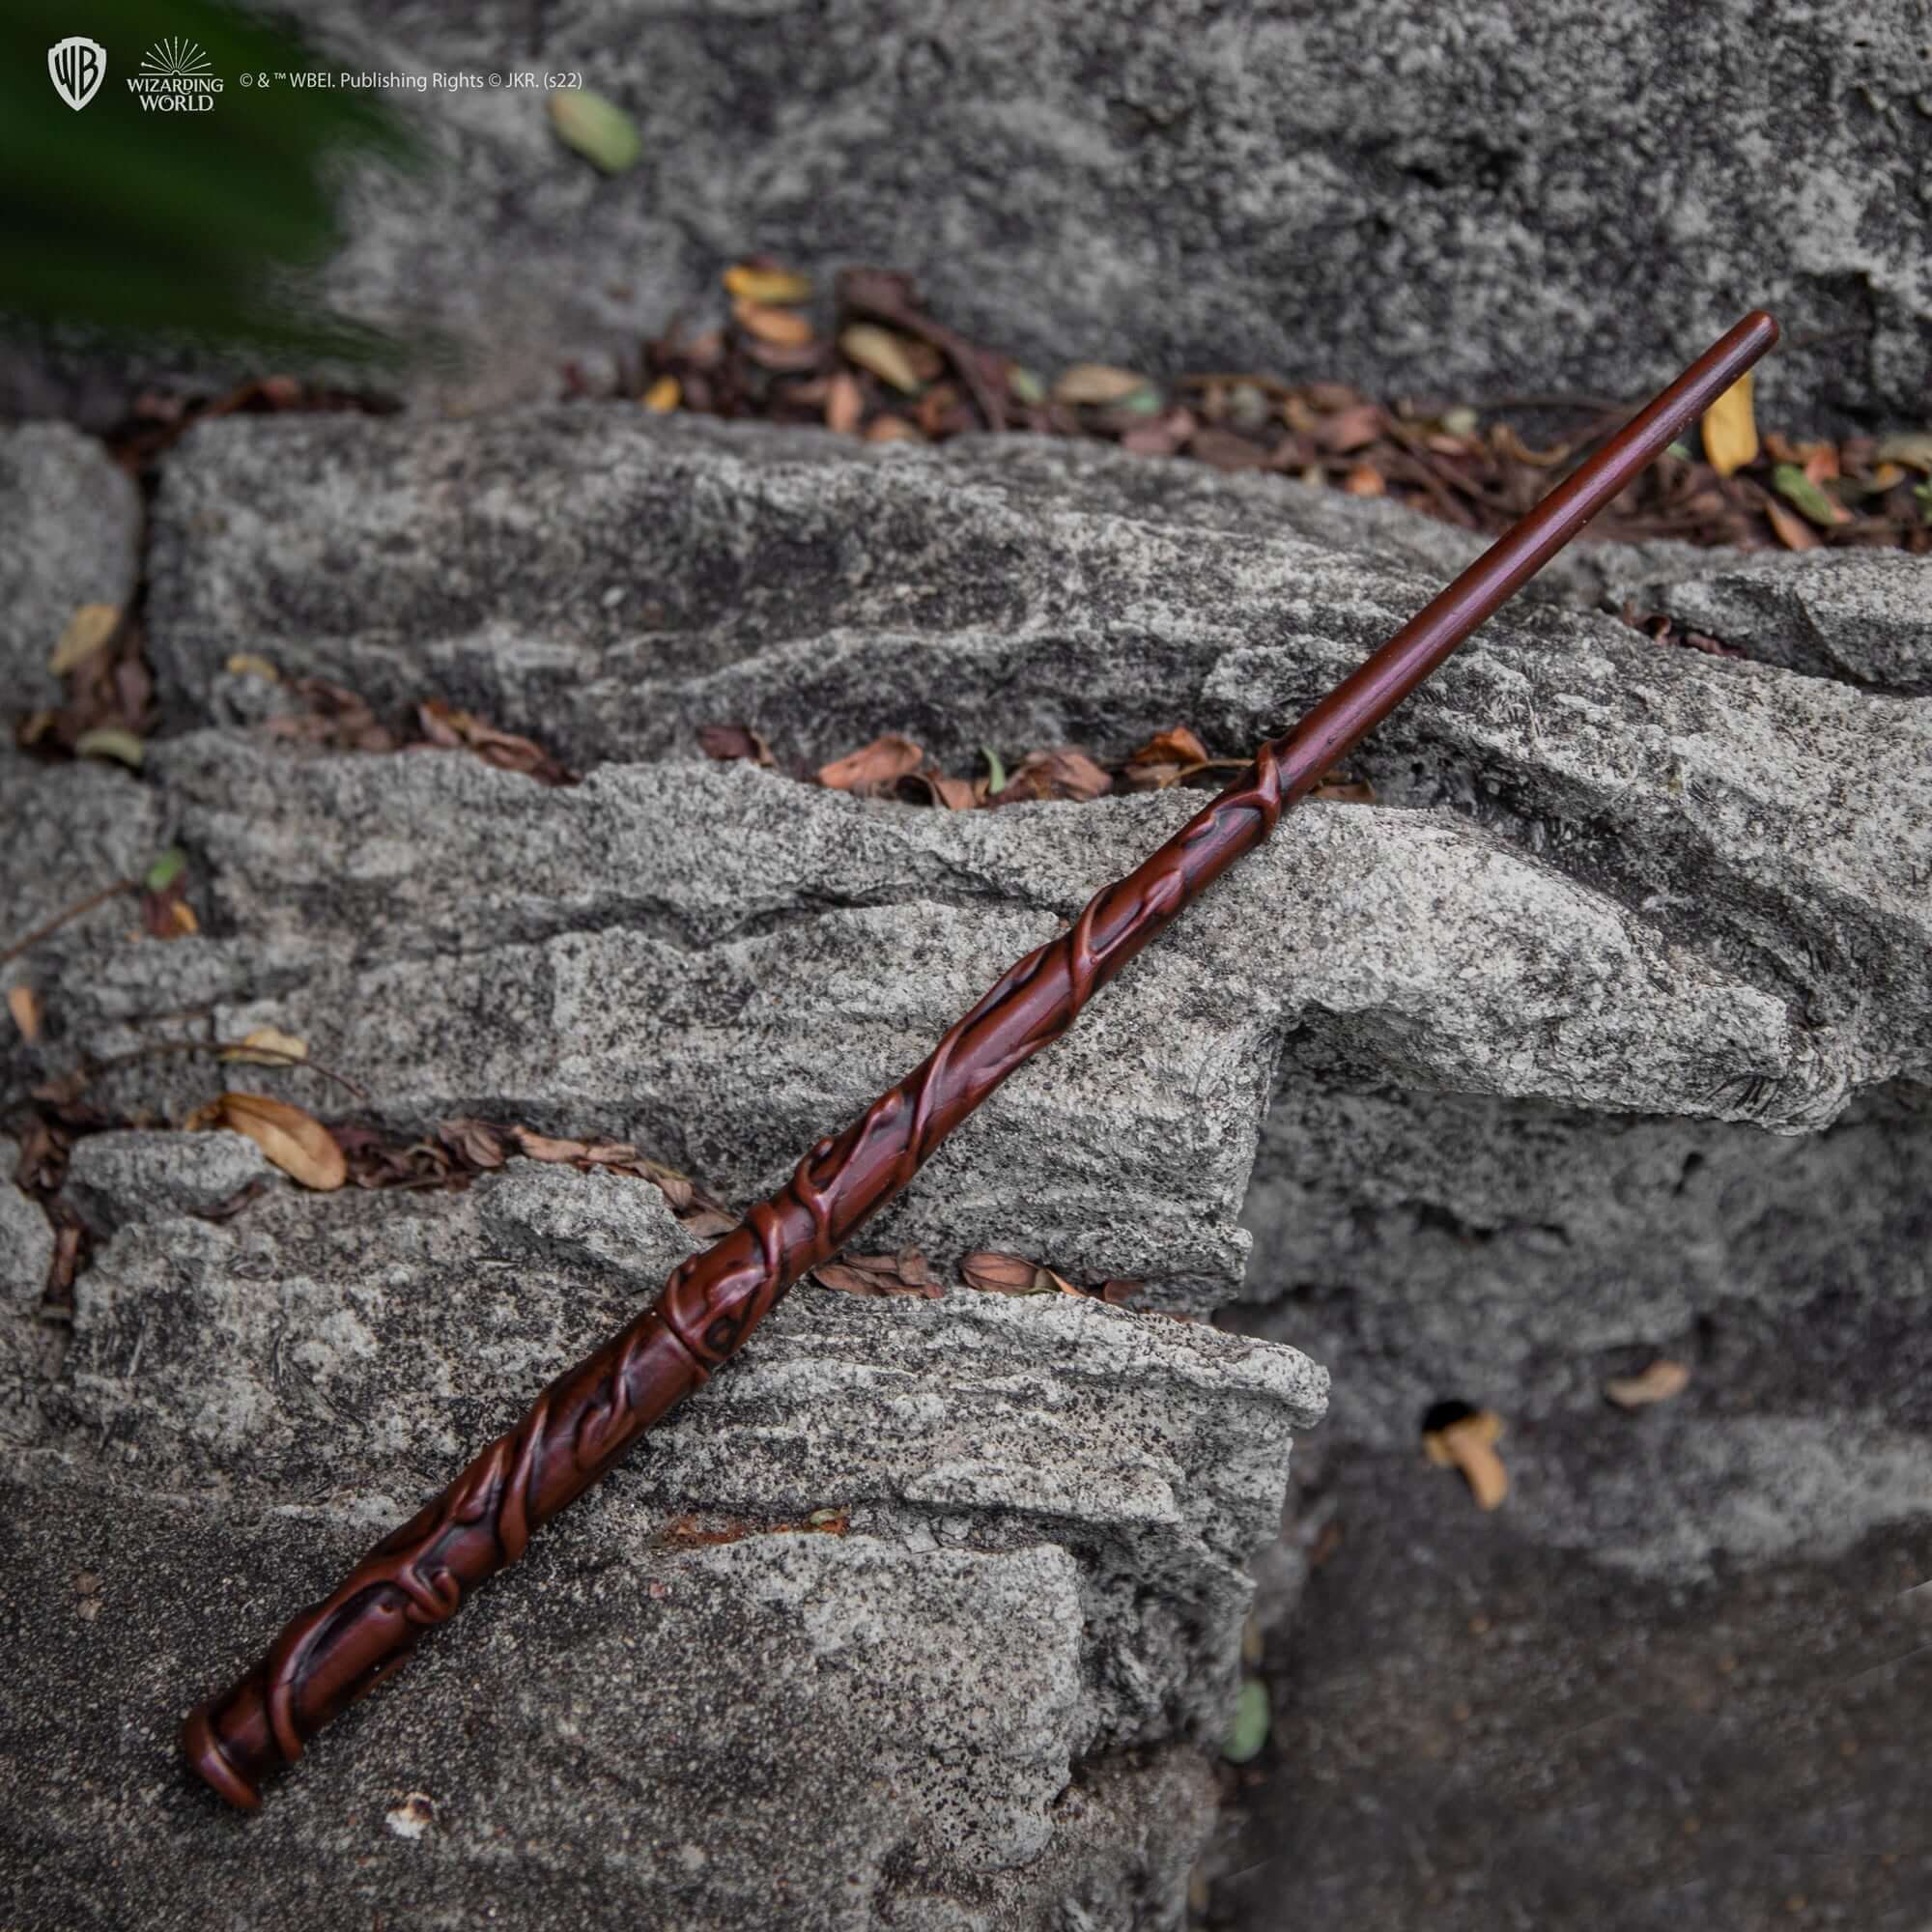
<point>72,520</point>
<point>1603,1033</point>
<point>1471,200</point>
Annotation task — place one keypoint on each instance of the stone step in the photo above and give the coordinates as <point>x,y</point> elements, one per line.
<point>979,1694</point>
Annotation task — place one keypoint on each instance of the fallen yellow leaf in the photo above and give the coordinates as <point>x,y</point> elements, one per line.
<point>779,287</point>
<point>664,395</point>
<point>298,1142</point>
<point>1469,1445</point>
<point>267,1046</point>
<point>782,326</point>
<point>881,351</point>
<point>90,627</point>
<point>1659,1383</point>
<point>250,663</point>
<point>110,741</point>
<point>1096,382</point>
<point>1730,429</point>
<point>24,1004</point>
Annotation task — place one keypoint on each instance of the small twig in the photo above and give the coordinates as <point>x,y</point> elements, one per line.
<point>59,919</point>
<point>881,297</point>
<point>91,1071</point>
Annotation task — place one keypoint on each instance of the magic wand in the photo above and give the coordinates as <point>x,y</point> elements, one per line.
<point>337,1650</point>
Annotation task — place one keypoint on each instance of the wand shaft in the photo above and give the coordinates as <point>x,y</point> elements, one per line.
<point>337,1650</point>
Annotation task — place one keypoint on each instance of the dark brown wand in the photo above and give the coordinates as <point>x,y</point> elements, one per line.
<point>336,1651</point>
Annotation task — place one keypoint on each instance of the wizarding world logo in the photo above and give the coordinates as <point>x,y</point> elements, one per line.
<point>175,80</point>
<point>78,66</point>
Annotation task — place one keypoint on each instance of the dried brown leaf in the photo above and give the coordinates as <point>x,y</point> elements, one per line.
<point>24,1004</point>
<point>1350,428</point>
<point>874,766</point>
<point>298,1142</point>
<point>450,729</point>
<point>1065,774</point>
<point>1095,382</point>
<point>845,403</point>
<point>784,327</point>
<point>1469,1445</point>
<point>1365,480</point>
<point>955,794</point>
<point>886,355</point>
<point>728,742</point>
<point>1662,1381</point>
<point>1225,449</point>
<point>907,1272</point>
<point>1338,784</point>
<point>1793,531</point>
<point>90,629</point>
<point>994,1273</point>
<point>893,428</point>
<point>476,1141</point>
<point>546,1147</point>
<point>267,1046</point>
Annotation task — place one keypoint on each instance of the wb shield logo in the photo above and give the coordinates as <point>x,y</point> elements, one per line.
<point>78,67</point>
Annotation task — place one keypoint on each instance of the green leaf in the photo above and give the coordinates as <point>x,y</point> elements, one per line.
<point>1249,1730</point>
<point>113,228</point>
<point>1923,493</point>
<point>1025,385</point>
<point>109,741</point>
<point>1147,401</point>
<point>165,869</point>
<point>599,129</point>
<point>997,773</point>
<point>1681,450</point>
<point>1798,489</point>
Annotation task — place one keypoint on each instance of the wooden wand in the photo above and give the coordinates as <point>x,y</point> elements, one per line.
<point>336,1651</point>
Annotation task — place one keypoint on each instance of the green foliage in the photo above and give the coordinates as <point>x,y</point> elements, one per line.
<point>1253,1718</point>
<point>141,224</point>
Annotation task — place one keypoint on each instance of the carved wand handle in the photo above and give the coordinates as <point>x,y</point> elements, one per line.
<point>337,1650</point>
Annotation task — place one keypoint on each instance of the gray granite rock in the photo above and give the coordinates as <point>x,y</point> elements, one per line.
<point>1482,199</point>
<point>147,1174</point>
<point>1865,615</point>
<point>974,1706</point>
<point>613,581</point>
<point>72,519</point>
<point>29,1348</point>
<point>1603,1035</point>
<point>1769,823</point>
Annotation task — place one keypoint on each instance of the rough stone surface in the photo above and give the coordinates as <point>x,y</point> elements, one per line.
<point>72,520</point>
<point>28,1351</point>
<point>1603,1035</point>
<point>615,581</point>
<point>1862,615</point>
<point>146,1175</point>
<point>969,1710</point>
<point>1486,198</point>
<point>1773,824</point>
